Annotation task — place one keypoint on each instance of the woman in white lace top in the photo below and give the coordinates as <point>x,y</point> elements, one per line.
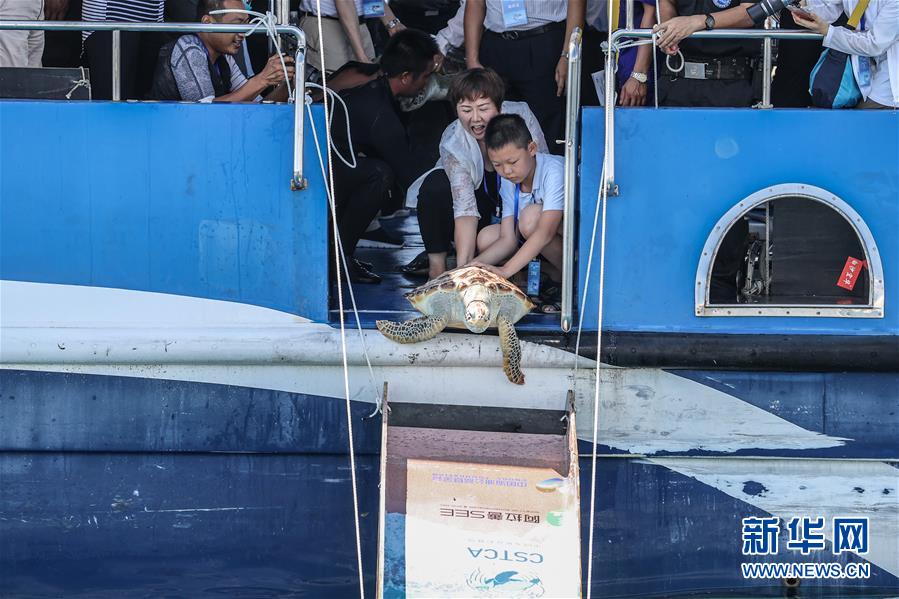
<point>460,196</point>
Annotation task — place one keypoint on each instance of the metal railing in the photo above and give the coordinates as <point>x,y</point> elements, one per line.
<point>762,34</point>
<point>572,118</point>
<point>297,181</point>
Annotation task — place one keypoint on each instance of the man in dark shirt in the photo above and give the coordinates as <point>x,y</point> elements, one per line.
<point>383,154</point>
<point>715,72</point>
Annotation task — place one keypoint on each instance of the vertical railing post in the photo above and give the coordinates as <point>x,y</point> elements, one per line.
<point>283,12</point>
<point>629,14</point>
<point>609,94</point>
<point>274,10</point>
<point>116,65</point>
<point>298,181</point>
<point>572,118</point>
<point>767,46</point>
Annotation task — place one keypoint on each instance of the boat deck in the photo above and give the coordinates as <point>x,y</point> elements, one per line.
<point>386,299</point>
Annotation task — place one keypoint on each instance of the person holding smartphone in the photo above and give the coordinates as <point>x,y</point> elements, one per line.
<point>874,45</point>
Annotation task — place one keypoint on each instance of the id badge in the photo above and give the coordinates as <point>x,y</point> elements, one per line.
<point>372,8</point>
<point>514,13</point>
<point>599,84</point>
<point>864,72</point>
<point>534,277</point>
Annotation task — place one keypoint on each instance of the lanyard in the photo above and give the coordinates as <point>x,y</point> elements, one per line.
<point>515,209</point>
<point>497,206</point>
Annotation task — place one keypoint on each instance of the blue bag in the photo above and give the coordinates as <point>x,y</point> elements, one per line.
<point>832,83</point>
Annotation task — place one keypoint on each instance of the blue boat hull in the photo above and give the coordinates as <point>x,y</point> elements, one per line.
<point>112,485</point>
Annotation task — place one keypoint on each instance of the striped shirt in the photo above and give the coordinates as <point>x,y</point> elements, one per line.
<point>133,11</point>
<point>190,68</point>
<point>540,12</point>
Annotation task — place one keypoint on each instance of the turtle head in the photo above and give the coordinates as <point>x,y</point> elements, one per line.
<point>477,316</point>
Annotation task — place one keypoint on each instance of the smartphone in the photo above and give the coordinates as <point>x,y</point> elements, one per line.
<point>802,14</point>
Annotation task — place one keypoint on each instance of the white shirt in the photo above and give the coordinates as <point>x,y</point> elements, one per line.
<point>461,158</point>
<point>453,35</point>
<point>540,12</point>
<point>879,40</point>
<point>597,14</point>
<point>463,162</point>
<point>329,8</point>
<point>548,187</point>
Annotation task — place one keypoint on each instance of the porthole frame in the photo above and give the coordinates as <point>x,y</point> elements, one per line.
<point>874,308</point>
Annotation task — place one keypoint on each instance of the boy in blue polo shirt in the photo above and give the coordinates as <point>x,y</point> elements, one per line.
<point>533,195</point>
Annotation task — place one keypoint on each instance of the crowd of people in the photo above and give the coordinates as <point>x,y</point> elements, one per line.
<point>489,187</point>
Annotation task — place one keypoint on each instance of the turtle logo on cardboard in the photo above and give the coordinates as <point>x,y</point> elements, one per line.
<point>506,583</point>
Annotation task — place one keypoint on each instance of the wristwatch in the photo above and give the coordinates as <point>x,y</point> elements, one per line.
<point>709,22</point>
<point>392,23</point>
<point>641,77</point>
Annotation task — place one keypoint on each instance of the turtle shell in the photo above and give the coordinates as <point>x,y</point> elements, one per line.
<point>442,296</point>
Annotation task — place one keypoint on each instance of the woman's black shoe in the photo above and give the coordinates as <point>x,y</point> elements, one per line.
<point>418,266</point>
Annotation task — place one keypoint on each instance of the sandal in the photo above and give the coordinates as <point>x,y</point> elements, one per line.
<point>551,307</point>
<point>551,299</point>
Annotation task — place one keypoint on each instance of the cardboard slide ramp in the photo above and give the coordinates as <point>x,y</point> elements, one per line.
<point>478,502</point>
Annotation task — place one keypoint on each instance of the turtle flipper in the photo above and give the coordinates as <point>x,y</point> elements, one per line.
<point>412,331</point>
<point>511,348</point>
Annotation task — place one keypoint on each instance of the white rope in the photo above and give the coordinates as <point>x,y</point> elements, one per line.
<point>269,22</point>
<point>602,203</point>
<point>655,60</point>
<point>346,114</point>
<point>339,243</point>
<point>618,46</point>
<point>682,62</point>
<point>603,200</point>
<point>338,263</point>
<point>83,82</point>
<point>580,321</point>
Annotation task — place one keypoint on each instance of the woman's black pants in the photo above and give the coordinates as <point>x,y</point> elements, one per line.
<point>435,212</point>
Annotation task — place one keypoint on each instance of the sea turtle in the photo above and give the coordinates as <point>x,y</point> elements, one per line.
<point>470,297</point>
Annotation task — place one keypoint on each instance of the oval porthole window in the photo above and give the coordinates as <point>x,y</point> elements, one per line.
<point>790,250</point>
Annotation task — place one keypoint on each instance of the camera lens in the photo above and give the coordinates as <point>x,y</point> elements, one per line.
<point>766,8</point>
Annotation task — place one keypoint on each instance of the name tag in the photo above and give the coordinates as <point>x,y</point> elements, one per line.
<point>372,8</point>
<point>864,72</point>
<point>599,83</point>
<point>514,13</point>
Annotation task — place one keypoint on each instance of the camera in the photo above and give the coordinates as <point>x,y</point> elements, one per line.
<point>766,8</point>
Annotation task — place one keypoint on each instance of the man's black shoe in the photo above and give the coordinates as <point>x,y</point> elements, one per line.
<point>358,274</point>
<point>365,265</point>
